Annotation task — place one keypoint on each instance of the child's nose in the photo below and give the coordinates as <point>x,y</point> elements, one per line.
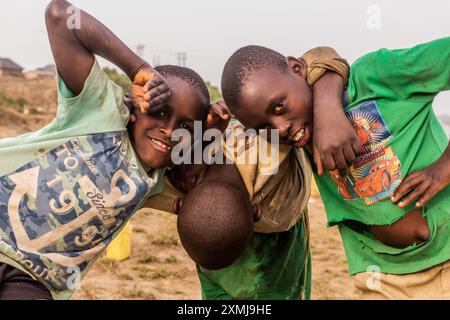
<point>283,127</point>
<point>167,132</point>
<point>168,128</point>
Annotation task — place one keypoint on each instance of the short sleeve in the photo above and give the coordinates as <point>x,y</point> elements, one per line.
<point>323,59</point>
<point>98,108</point>
<point>420,71</point>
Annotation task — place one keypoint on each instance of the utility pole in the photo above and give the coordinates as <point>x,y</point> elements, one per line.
<point>181,59</point>
<point>140,48</point>
<point>156,61</point>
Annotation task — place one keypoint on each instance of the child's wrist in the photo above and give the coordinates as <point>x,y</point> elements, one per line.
<point>327,104</point>
<point>136,71</point>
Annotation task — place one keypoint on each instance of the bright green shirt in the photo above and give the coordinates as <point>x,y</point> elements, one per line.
<point>390,95</point>
<point>68,189</point>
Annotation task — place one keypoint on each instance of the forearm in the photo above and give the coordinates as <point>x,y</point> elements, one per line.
<point>328,93</point>
<point>93,36</point>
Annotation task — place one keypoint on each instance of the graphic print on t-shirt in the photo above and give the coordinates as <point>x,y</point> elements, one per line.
<point>58,212</point>
<point>376,171</point>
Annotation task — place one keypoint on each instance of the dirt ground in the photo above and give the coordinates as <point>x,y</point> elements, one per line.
<point>158,267</point>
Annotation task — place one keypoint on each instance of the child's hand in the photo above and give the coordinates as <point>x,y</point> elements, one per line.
<point>149,90</point>
<point>423,185</point>
<point>185,177</point>
<point>335,141</point>
<point>219,116</point>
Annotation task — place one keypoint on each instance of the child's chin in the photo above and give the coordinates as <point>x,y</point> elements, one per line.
<point>157,163</point>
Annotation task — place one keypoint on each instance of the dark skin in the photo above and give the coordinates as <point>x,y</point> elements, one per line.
<point>288,107</point>
<point>152,131</point>
<point>186,177</point>
<point>232,185</point>
<point>289,91</point>
<point>156,113</point>
<point>421,186</point>
<point>331,150</point>
<point>223,173</point>
<point>337,148</point>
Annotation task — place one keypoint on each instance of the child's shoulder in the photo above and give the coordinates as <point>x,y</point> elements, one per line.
<point>98,108</point>
<point>365,60</point>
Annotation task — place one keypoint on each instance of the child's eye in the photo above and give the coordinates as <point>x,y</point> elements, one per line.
<point>279,107</point>
<point>161,114</point>
<point>186,126</point>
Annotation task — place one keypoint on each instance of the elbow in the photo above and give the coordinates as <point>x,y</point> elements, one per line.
<point>56,11</point>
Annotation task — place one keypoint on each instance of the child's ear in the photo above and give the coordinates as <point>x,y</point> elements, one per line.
<point>256,210</point>
<point>297,66</point>
<point>177,205</point>
<point>129,104</point>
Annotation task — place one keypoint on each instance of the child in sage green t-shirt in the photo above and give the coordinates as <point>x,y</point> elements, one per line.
<point>66,190</point>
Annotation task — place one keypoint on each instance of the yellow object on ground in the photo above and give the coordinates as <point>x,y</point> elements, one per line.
<point>314,191</point>
<point>120,248</point>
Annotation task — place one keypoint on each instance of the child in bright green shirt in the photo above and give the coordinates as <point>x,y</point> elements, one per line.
<point>404,150</point>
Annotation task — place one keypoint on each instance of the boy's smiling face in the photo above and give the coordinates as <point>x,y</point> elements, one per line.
<point>151,133</point>
<point>272,99</point>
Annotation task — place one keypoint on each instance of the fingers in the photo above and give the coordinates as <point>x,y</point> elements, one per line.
<point>427,196</point>
<point>148,98</point>
<point>221,110</point>
<point>218,116</point>
<point>151,91</point>
<point>212,121</point>
<point>137,95</point>
<point>318,160</point>
<point>157,103</point>
<point>414,195</point>
<point>343,172</point>
<point>339,160</point>
<point>349,154</point>
<point>144,76</point>
<point>407,185</point>
<point>357,146</point>
<point>328,161</point>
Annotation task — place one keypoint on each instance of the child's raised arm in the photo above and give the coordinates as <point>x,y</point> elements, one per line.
<point>74,44</point>
<point>335,142</point>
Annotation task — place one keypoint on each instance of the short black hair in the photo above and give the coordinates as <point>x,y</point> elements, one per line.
<point>215,223</point>
<point>244,62</point>
<point>186,74</point>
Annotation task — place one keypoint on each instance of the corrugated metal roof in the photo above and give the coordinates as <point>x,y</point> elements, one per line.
<point>6,63</point>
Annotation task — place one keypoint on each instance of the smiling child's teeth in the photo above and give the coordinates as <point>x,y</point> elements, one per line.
<point>299,135</point>
<point>161,144</point>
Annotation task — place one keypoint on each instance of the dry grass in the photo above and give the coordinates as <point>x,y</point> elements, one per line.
<point>147,257</point>
<point>160,269</point>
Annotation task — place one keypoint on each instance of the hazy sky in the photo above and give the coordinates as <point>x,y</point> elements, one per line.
<point>209,31</point>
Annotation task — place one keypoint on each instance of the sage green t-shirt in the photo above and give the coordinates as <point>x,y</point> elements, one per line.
<point>67,189</point>
<point>390,105</point>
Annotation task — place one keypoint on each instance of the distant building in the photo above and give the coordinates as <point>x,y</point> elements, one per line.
<point>49,71</point>
<point>9,68</point>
